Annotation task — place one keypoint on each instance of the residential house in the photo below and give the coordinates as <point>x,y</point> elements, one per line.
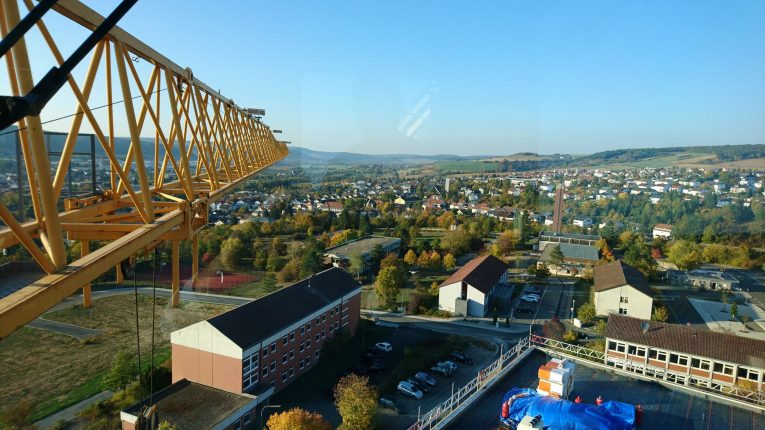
<point>622,289</point>
<point>470,290</point>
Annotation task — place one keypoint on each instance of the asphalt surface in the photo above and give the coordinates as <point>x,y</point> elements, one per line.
<point>663,408</point>
<point>65,329</point>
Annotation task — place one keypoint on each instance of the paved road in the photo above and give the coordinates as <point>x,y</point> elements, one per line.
<point>71,412</point>
<point>186,296</point>
<point>65,329</point>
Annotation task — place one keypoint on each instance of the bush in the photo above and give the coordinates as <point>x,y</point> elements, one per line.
<point>586,313</point>
<point>571,337</point>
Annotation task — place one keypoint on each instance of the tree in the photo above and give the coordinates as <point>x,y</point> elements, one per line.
<point>279,246</point>
<point>410,258</point>
<point>733,310</point>
<point>356,401</point>
<point>600,328</point>
<point>424,260</point>
<point>449,262</point>
<point>310,263</point>
<point>434,262</point>
<point>297,419</point>
<point>553,329</point>
<point>586,313</point>
<point>375,257</point>
<point>269,283</point>
<point>685,254</point>
<point>388,284</point>
<point>356,264</point>
<point>165,425</point>
<point>507,241</point>
<point>571,336</point>
<point>660,314</point>
<point>557,256</point>
<point>540,271</point>
<point>230,252</point>
<point>456,241</point>
<point>121,373</point>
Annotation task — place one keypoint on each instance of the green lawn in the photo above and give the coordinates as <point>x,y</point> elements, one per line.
<point>251,289</point>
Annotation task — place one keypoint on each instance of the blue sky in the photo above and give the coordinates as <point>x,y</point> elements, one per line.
<point>477,77</point>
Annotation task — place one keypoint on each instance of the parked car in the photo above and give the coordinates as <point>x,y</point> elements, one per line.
<point>461,357</point>
<point>377,367</point>
<point>409,390</point>
<point>376,351</point>
<point>384,346</point>
<point>441,370</point>
<point>389,404</point>
<point>529,298</point>
<point>425,388</point>
<point>450,365</point>
<point>424,377</point>
<point>524,309</point>
<point>370,358</point>
<point>359,369</point>
<point>533,290</point>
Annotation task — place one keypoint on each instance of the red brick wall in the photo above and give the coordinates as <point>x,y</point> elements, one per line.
<point>207,368</point>
<point>354,313</point>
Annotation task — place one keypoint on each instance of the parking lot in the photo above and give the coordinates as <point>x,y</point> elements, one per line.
<point>443,389</point>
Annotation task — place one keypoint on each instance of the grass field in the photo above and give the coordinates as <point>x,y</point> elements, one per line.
<point>471,166</point>
<point>53,371</point>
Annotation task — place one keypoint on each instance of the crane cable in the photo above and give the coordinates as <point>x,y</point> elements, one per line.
<point>138,343</point>
<point>153,311</point>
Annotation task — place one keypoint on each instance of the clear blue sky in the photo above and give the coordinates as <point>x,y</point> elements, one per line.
<point>477,77</point>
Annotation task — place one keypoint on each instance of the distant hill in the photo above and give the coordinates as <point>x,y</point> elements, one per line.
<point>305,156</point>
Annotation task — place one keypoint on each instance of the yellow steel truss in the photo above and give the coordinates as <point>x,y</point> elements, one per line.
<point>203,146</point>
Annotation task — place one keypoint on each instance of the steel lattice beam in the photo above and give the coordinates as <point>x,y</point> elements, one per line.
<point>203,146</point>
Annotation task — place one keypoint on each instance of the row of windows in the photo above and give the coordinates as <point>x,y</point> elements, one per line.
<point>683,360</point>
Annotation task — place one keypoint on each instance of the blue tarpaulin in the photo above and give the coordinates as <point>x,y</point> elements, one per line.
<point>559,414</point>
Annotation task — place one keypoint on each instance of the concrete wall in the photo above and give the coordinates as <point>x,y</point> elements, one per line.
<point>207,368</point>
<point>477,302</point>
<point>608,302</point>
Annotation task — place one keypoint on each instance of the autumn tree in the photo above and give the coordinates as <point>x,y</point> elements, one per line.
<point>356,401</point>
<point>586,313</point>
<point>449,262</point>
<point>434,262</point>
<point>685,254</point>
<point>456,242</point>
<point>297,419</point>
<point>230,252</point>
<point>446,220</point>
<point>388,284</point>
<point>553,329</point>
<point>660,314</point>
<point>507,242</point>
<point>423,260</point>
<point>410,258</point>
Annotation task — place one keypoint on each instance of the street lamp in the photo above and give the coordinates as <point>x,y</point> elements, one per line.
<point>263,409</point>
<point>573,305</point>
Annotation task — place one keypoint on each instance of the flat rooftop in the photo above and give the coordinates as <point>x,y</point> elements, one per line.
<point>703,274</point>
<point>360,246</point>
<point>663,408</point>
<point>550,234</point>
<point>192,406</point>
